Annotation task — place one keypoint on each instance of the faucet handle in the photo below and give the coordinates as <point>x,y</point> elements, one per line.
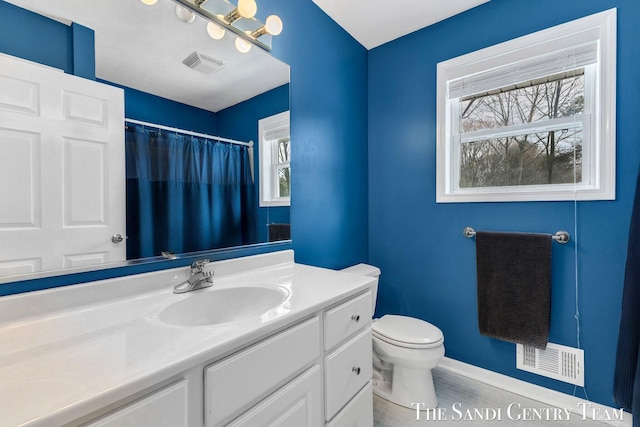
<point>198,266</point>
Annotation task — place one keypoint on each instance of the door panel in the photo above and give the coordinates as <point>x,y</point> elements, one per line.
<point>62,179</point>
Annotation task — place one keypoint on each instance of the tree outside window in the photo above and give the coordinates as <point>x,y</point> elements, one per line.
<point>552,156</point>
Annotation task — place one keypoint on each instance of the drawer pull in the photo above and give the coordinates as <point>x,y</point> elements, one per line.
<point>355,317</point>
<point>356,370</point>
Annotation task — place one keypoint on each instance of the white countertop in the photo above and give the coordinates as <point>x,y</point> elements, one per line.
<point>67,352</point>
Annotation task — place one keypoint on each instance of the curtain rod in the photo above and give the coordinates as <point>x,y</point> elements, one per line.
<point>188,132</point>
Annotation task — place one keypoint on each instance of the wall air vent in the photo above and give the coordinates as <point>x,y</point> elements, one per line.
<point>557,361</point>
<point>203,63</point>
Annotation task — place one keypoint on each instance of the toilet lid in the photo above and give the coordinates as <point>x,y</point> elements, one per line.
<point>408,330</point>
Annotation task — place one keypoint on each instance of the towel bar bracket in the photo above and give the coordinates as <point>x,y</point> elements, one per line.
<point>560,237</point>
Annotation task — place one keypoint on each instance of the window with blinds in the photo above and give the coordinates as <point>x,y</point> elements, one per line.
<point>532,118</point>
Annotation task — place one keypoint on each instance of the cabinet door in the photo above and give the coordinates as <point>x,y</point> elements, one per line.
<point>358,412</point>
<point>297,404</point>
<point>347,370</point>
<point>164,408</point>
<point>235,383</point>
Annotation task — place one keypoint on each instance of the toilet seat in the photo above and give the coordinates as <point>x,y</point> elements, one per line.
<point>407,332</point>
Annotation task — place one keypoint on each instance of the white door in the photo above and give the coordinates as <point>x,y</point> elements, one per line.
<point>62,177</point>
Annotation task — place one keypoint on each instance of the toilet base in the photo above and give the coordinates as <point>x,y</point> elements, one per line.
<point>409,386</point>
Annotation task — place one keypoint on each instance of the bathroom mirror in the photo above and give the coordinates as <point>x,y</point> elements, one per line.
<point>142,47</point>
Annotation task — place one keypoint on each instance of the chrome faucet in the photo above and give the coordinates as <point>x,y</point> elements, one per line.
<point>198,279</point>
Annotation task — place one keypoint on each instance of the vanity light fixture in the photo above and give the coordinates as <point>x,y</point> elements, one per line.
<point>149,2</point>
<point>222,16</point>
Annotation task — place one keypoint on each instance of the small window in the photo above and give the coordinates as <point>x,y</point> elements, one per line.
<point>282,166</point>
<point>275,160</point>
<point>532,118</point>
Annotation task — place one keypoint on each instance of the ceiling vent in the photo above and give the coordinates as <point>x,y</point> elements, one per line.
<point>203,63</point>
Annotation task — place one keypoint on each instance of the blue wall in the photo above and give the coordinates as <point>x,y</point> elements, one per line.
<point>329,184</point>
<point>233,124</point>
<point>428,267</point>
<point>33,37</point>
<point>154,109</point>
<point>69,48</point>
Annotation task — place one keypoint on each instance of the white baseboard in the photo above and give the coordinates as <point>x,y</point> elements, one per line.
<point>536,392</point>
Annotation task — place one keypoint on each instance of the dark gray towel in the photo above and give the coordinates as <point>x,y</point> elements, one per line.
<point>514,286</point>
<point>279,232</point>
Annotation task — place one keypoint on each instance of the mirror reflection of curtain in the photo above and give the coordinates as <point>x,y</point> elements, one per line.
<point>186,194</point>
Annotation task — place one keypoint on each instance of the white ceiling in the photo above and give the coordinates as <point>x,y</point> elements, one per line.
<point>142,47</point>
<point>375,22</point>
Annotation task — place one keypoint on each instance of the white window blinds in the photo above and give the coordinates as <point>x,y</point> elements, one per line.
<point>572,52</point>
<point>277,133</point>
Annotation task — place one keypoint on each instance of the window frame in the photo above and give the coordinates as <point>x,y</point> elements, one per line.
<point>268,160</point>
<point>277,165</point>
<point>599,128</point>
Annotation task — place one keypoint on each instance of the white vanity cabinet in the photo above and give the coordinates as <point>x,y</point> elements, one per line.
<point>296,363</point>
<point>315,373</point>
<point>347,363</point>
<point>101,354</point>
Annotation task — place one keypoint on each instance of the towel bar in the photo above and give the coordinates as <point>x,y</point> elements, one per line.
<point>560,237</point>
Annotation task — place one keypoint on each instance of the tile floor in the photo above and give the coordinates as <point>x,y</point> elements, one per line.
<point>459,398</point>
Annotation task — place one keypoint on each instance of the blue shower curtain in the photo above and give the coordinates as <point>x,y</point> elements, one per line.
<point>186,194</point>
<point>627,374</point>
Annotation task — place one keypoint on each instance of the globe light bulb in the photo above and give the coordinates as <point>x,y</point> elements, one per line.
<point>247,8</point>
<point>273,25</point>
<point>184,14</point>
<point>216,32</point>
<point>149,2</point>
<point>242,45</point>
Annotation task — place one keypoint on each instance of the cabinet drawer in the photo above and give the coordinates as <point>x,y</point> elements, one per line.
<point>164,408</point>
<point>234,383</point>
<point>358,412</point>
<point>297,404</point>
<point>346,319</point>
<point>347,370</point>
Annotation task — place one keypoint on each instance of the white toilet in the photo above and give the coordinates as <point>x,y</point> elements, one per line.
<point>405,349</point>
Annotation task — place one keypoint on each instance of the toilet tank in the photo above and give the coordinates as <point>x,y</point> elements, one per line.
<point>367,270</point>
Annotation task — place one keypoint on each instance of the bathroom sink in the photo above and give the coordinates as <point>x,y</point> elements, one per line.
<point>214,306</point>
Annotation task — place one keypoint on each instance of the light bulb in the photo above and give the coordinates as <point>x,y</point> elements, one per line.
<point>273,25</point>
<point>184,14</point>
<point>149,2</point>
<point>247,8</point>
<point>242,45</point>
<point>216,32</point>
